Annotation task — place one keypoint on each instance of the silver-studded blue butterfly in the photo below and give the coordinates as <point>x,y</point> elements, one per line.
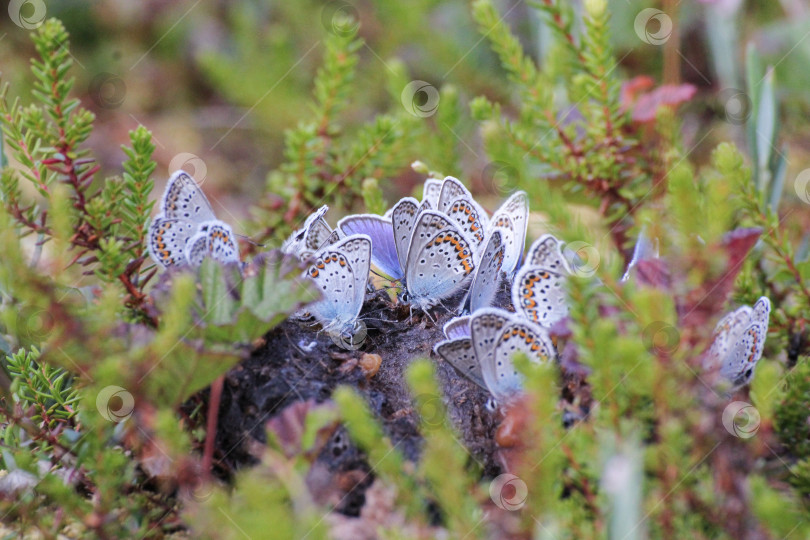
<point>739,339</point>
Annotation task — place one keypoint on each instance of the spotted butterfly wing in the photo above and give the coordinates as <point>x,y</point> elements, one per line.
<point>497,337</point>
<point>313,235</point>
<point>539,295</point>
<point>546,251</point>
<point>197,249</point>
<point>725,334</point>
<point>465,214</point>
<point>340,273</point>
<point>167,241</point>
<point>403,217</point>
<point>512,218</point>
<point>452,190</point>
<point>487,278</point>
<point>747,344</point>
<point>461,355</point>
<point>431,191</point>
<point>439,259</point>
<point>222,244</point>
<point>183,199</point>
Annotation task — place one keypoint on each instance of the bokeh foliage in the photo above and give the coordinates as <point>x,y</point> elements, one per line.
<point>84,316</point>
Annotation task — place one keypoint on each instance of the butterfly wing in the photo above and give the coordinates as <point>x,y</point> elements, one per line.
<point>497,336</point>
<point>452,190</point>
<point>439,259</point>
<point>461,355</point>
<point>727,330</point>
<point>457,327</point>
<point>383,246</point>
<point>222,244</point>
<point>358,249</point>
<point>313,235</point>
<point>485,328</point>
<point>539,295</point>
<point>645,249</point>
<point>518,337</point>
<point>318,234</point>
<point>431,191</point>
<point>464,213</point>
<point>746,345</point>
<point>183,199</point>
<point>335,278</point>
<point>403,217</point>
<point>513,218</point>
<point>167,240</point>
<point>546,251</point>
<point>488,274</point>
<point>197,249</point>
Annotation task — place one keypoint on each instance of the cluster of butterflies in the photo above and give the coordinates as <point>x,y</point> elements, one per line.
<point>186,230</point>
<point>443,247</point>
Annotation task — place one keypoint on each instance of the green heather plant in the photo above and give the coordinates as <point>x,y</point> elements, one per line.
<point>104,419</point>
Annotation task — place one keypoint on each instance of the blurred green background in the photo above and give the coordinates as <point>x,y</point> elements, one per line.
<point>219,82</point>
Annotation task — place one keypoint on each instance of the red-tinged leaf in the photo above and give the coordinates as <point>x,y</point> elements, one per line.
<point>705,303</point>
<point>653,273</point>
<point>633,88</point>
<point>738,243</point>
<point>290,427</point>
<point>668,95</point>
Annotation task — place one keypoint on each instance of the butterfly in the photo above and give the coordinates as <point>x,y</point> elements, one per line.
<point>458,351</point>
<point>538,290</point>
<point>487,279</point>
<point>439,260</point>
<point>340,273</point>
<point>512,219</point>
<point>315,234</point>
<point>186,230</point>
<point>496,336</point>
<point>739,339</point>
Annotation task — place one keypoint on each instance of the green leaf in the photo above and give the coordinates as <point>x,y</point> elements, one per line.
<point>275,289</point>
<point>218,303</point>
